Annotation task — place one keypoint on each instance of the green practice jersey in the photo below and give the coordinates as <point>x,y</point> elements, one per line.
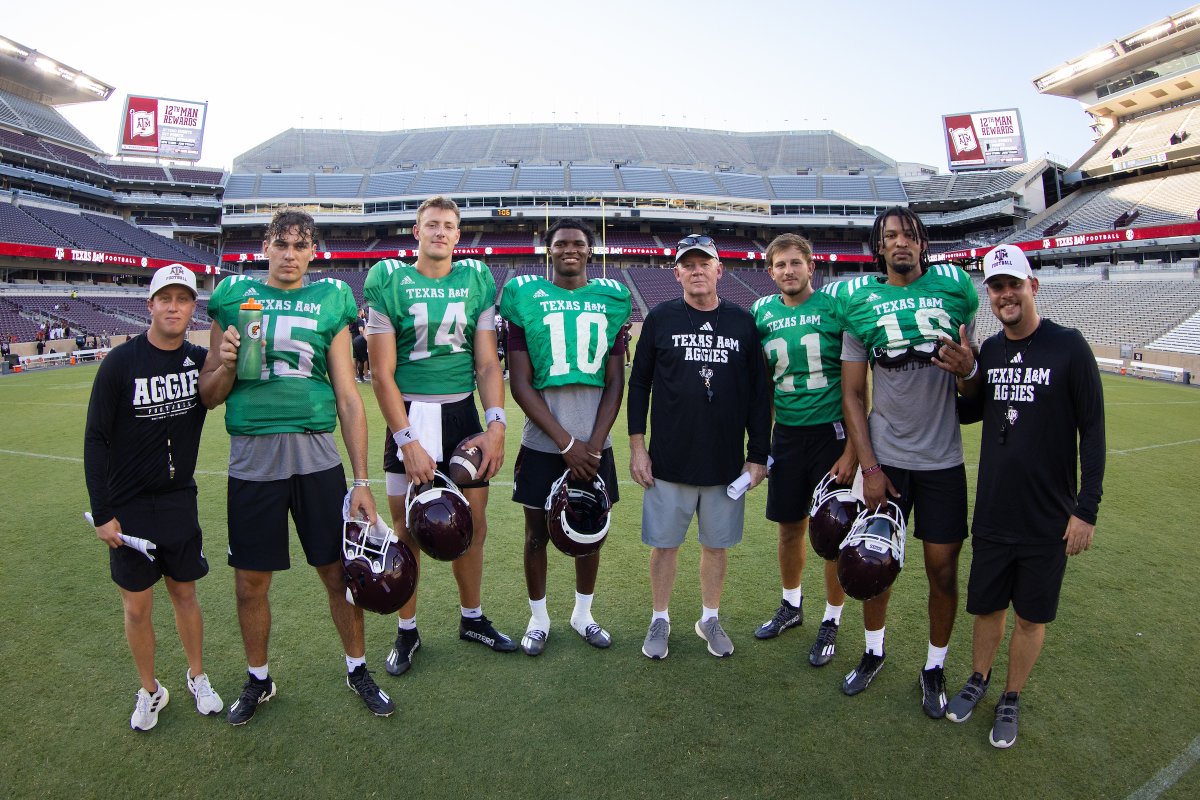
<point>434,320</point>
<point>294,394</point>
<point>569,332</point>
<point>890,320</point>
<point>803,345</point>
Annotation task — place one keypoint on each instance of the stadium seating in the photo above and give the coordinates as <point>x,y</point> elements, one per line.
<point>18,226</point>
<point>137,172</point>
<point>1184,338</point>
<point>41,119</point>
<point>488,179</point>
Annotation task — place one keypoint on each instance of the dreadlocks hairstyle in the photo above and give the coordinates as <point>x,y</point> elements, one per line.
<point>912,225</point>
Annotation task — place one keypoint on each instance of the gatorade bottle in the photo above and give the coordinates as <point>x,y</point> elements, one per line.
<point>249,360</point>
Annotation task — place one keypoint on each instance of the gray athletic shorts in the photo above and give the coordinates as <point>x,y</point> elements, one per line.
<point>667,510</point>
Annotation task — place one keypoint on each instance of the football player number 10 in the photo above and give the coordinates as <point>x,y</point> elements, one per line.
<point>588,359</point>
<point>777,349</point>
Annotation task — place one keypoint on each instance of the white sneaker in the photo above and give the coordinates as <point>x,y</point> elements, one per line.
<point>207,700</point>
<point>145,713</point>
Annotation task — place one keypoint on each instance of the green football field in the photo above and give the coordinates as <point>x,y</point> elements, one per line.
<point>1111,709</point>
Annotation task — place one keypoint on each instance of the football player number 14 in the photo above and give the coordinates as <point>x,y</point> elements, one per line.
<point>777,348</point>
<point>452,332</point>
<point>587,358</point>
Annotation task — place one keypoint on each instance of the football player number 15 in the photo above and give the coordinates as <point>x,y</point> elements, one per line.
<point>777,349</point>
<point>282,342</point>
<point>452,332</point>
<point>587,358</point>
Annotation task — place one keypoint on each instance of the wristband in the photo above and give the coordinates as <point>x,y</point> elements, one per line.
<point>496,414</point>
<point>361,482</point>
<point>570,444</point>
<point>594,455</point>
<point>974,369</point>
<point>871,470</point>
<point>404,436</point>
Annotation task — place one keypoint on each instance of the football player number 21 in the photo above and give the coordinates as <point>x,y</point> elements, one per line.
<point>588,359</point>
<point>777,348</point>
<point>452,332</point>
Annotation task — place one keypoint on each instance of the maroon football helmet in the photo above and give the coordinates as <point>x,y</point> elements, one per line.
<point>380,570</point>
<point>439,518</point>
<point>831,516</point>
<point>578,515</point>
<point>872,555</point>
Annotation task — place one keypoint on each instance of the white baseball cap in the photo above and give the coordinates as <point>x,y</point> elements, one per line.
<point>1006,259</point>
<point>172,274</point>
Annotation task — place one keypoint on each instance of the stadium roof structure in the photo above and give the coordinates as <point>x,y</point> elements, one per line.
<point>769,152</point>
<point>46,80</point>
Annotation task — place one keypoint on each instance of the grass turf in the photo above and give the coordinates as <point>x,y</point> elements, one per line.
<point>1108,706</point>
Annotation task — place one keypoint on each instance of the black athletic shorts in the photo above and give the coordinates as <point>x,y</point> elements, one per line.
<point>939,498</point>
<point>803,456</point>
<point>459,420</point>
<point>535,472</point>
<point>1029,576</point>
<point>258,519</point>
<point>170,521</point>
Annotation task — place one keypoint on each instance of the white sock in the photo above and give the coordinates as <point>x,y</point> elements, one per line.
<point>660,615</point>
<point>707,613</point>
<point>409,624</point>
<point>259,673</point>
<point>875,641</point>
<point>472,613</point>
<point>833,613</point>
<point>353,663</point>
<point>581,617</point>
<point>539,619</point>
<point>793,596</point>
<point>936,657</point>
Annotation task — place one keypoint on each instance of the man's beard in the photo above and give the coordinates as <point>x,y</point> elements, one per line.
<point>903,269</point>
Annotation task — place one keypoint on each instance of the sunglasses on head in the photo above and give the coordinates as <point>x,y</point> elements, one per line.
<point>692,241</point>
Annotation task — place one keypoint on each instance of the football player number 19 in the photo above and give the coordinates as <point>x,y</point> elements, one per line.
<point>932,323</point>
<point>452,332</point>
<point>777,348</point>
<point>587,360</point>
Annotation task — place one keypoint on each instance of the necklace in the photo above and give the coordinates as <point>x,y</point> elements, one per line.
<point>706,372</point>
<point>1010,412</point>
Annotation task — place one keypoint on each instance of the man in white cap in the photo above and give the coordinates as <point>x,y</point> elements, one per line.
<point>139,453</point>
<point>701,360</point>
<point>1043,416</point>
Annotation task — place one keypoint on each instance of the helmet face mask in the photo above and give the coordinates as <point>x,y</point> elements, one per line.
<point>831,516</point>
<point>439,517</point>
<point>578,515</point>
<point>379,569</point>
<point>872,554</point>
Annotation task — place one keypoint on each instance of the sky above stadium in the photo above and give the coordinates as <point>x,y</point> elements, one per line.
<point>881,73</point>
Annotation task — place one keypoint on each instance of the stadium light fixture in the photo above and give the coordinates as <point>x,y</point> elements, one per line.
<point>1149,33</point>
<point>46,65</point>
<point>10,46</point>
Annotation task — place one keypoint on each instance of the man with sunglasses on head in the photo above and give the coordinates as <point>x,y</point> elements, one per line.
<point>699,373</point>
<point>913,325</point>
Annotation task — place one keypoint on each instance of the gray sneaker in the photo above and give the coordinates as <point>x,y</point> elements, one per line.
<point>710,630</point>
<point>655,646</point>
<point>1004,730</point>
<point>963,703</point>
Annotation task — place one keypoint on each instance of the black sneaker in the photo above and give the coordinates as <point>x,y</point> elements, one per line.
<point>823,649</point>
<point>962,704</point>
<point>399,661</point>
<point>363,685</point>
<point>480,629</point>
<point>253,693</point>
<point>786,616</point>
<point>1008,712</point>
<point>933,692</point>
<point>859,678</point>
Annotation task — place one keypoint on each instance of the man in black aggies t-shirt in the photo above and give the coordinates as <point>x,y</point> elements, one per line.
<point>1043,413</point>
<point>700,361</point>
<point>139,454</point>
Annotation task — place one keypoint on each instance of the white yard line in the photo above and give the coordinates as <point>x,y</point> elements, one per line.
<point>1169,775</point>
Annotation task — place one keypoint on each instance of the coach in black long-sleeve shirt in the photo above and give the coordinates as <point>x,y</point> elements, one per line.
<point>699,372</point>
<point>1037,389</point>
<point>139,454</point>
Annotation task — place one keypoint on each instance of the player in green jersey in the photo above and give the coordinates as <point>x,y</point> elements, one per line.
<point>910,446</point>
<point>566,348</point>
<point>802,339</point>
<point>282,457</point>
<point>431,334</point>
